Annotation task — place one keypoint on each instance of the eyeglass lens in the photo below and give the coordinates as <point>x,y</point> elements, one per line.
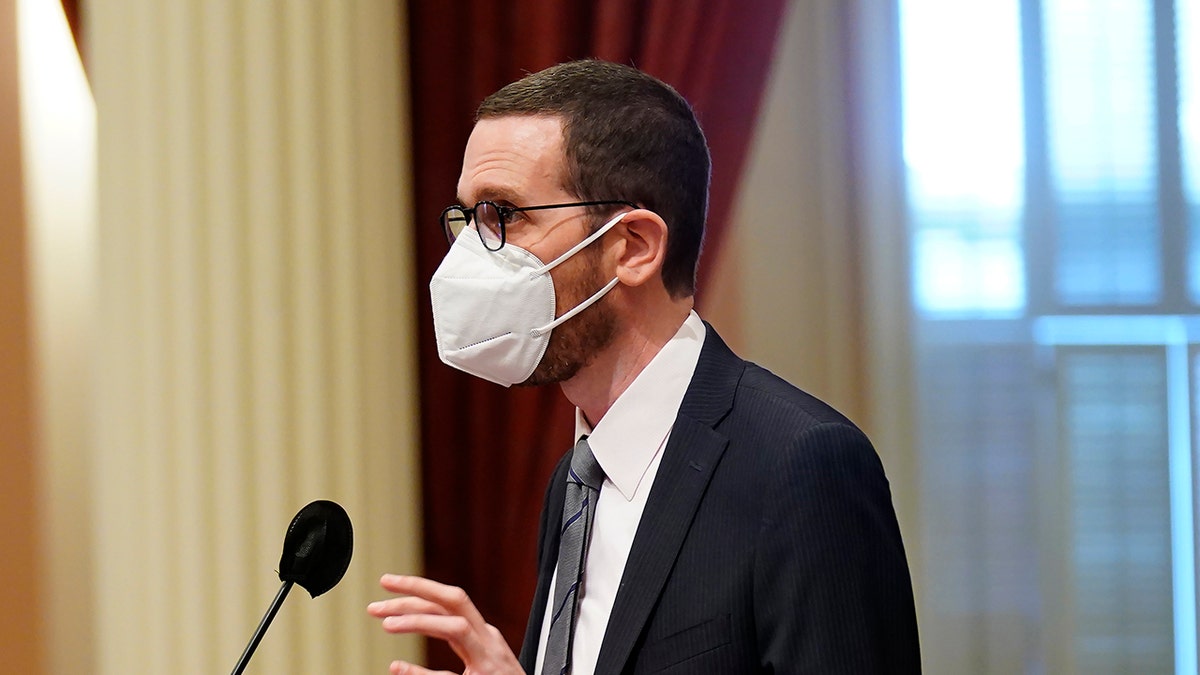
<point>487,220</point>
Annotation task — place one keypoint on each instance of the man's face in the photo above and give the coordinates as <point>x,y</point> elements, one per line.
<point>518,161</point>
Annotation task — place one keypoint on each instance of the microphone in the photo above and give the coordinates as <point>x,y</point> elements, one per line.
<point>316,553</point>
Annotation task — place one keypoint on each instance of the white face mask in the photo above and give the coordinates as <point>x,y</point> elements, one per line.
<point>493,310</point>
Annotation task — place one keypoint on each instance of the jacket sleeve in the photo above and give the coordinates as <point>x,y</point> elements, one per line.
<point>832,587</point>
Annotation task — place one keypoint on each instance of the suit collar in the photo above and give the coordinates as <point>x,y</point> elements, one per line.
<point>710,395</point>
<point>692,454</point>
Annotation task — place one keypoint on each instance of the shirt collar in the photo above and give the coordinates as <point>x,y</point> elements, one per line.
<point>633,430</point>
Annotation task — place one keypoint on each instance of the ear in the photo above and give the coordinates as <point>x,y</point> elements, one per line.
<point>641,247</point>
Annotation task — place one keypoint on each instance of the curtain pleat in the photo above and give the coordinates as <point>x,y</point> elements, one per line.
<point>71,10</point>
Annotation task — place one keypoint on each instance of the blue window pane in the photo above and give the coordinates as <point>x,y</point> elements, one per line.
<point>1114,428</point>
<point>1187,44</point>
<point>964,155</point>
<point>1101,132</point>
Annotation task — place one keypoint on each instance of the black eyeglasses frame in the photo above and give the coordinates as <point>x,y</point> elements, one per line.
<point>504,213</point>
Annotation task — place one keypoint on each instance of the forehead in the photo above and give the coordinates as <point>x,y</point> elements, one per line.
<point>513,158</point>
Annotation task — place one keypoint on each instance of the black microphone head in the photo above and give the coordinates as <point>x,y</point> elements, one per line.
<point>317,548</point>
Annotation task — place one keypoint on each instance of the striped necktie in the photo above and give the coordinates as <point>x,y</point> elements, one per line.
<point>579,508</point>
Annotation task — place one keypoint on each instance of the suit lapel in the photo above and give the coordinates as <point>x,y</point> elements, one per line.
<point>548,537</point>
<point>691,456</point>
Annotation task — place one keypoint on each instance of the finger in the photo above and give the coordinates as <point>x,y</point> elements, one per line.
<point>405,605</point>
<point>406,668</point>
<point>453,598</point>
<point>453,629</point>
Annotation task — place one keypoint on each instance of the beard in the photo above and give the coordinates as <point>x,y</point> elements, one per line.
<point>575,343</point>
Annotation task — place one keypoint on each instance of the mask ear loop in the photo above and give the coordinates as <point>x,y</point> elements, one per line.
<point>538,332</point>
<point>578,247</point>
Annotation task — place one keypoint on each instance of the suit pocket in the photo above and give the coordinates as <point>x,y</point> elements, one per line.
<point>685,649</point>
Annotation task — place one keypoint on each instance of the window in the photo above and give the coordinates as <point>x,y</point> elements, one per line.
<point>1052,155</point>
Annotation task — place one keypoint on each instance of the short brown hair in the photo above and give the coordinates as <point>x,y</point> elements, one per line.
<point>627,136</point>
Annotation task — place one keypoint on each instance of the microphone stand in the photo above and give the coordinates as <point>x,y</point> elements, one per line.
<point>262,627</point>
<point>316,553</point>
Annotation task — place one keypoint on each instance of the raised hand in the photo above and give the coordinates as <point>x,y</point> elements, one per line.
<point>435,610</point>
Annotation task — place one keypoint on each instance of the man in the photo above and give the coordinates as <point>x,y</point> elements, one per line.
<point>740,525</point>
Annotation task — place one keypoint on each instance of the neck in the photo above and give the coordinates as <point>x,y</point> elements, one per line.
<point>598,385</point>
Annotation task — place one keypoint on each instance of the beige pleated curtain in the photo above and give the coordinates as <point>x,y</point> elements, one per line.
<point>250,349</point>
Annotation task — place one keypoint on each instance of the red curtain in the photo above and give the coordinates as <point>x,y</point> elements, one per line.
<point>487,452</point>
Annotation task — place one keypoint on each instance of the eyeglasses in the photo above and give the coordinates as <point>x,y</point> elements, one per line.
<point>491,219</point>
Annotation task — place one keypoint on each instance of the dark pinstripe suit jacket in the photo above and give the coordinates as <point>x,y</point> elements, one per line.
<point>768,544</point>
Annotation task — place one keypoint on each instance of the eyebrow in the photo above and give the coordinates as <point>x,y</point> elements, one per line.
<point>493,194</point>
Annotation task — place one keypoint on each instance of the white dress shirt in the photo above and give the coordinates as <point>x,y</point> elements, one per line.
<point>628,443</point>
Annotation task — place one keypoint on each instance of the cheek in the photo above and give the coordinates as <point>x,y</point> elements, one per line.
<point>531,239</point>
<point>546,238</point>
<point>566,283</point>
<point>577,279</point>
